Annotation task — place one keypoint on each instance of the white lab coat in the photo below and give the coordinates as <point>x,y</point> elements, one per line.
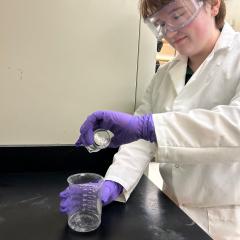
<point>198,138</point>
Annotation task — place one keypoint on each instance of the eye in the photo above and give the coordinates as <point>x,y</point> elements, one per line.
<point>162,24</point>
<point>177,15</point>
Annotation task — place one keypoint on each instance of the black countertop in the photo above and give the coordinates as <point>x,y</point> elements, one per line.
<point>29,211</point>
<point>31,178</point>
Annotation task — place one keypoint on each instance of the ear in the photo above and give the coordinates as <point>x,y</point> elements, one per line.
<point>215,7</point>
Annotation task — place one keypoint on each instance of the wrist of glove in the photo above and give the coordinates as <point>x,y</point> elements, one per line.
<point>148,130</point>
<point>71,197</point>
<point>125,127</point>
<point>111,190</point>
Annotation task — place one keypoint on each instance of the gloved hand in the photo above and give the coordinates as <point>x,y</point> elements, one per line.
<point>111,190</point>
<point>71,197</point>
<point>125,127</point>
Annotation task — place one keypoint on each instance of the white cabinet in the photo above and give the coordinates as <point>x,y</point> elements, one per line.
<point>232,15</point>
<point>63,59</point>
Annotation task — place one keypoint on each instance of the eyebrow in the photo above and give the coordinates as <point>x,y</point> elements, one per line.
<point>175,9</point>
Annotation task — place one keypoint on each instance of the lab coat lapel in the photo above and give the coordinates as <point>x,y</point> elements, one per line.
<point>178,72</point>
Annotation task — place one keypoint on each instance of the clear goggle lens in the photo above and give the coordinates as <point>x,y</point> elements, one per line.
<point>173,16</point>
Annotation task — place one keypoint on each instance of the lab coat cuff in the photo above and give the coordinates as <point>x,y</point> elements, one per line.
<point>123,197</point>
<point>161,135</point>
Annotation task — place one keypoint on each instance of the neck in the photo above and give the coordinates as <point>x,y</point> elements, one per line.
<point>196,60</point>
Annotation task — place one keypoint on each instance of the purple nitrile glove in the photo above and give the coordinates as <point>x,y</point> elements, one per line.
<point>111,190</point>
<point>125,127</point>
<point>71,197</point>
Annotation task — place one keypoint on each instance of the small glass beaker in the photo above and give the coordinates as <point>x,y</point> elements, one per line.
<point>86,216</point>
<point>102,139</point>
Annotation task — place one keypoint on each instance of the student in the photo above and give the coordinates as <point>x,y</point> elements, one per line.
<point>189,119</point>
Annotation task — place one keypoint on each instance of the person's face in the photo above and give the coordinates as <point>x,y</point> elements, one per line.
<point>197,36</point>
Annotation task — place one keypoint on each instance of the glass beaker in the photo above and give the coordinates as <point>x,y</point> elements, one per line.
<point>102,139</point>
<point>86,215</point>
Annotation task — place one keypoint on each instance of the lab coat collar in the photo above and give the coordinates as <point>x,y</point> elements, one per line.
<point>225,39</point>
<point>178,72</point>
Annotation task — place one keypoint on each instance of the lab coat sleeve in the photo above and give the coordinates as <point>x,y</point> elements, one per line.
<point>129,164</point>
<point>132,159</point>
<point>200,135</point>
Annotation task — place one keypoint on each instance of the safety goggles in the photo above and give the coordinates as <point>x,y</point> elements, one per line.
<point>173,16</point>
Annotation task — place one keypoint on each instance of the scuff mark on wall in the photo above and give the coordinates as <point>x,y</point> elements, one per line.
<point>20,72</point>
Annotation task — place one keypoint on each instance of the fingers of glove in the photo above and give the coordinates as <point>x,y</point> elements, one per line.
<point>113,121</point>
<point>124,126</point>
<point>69,205</point>
<point>92,122</point>
<point>64,200</point>
<point>87,129</point>
<point>78,143</point>
<point>75,190</point>
<point>70,199</point>
<point>63,210</point>
<point>85,139</point>
<point>63,206</point>
<point>105,120</point>
<point>64,194</point>
<point>72,190</point>
<point>106,196</point>
<point>100,119</point>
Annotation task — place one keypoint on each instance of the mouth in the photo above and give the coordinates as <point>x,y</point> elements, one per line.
<point>179,40</point>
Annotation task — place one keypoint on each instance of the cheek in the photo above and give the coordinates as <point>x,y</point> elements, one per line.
<point>200,27</point>
<point>197,35</point>
<point>194,43</point>
<point>200,33</point>
<point>197,30</point>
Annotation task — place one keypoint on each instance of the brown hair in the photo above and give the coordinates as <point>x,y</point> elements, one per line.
<point>148,7</point>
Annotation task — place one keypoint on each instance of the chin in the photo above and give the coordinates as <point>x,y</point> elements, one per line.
<point>184,52</point>
<point>188,51</point>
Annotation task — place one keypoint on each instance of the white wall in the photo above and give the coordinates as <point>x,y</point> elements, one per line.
<point>62,59</point>
<point>232,15</point>
<point>147,60</point>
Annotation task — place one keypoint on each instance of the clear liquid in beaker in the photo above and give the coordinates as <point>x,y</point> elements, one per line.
<point>84,222</point>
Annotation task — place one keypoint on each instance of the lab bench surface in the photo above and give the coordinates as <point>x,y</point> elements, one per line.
<point>29,210</point>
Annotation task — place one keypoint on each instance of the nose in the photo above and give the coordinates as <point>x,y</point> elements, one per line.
<point>170,34</point>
